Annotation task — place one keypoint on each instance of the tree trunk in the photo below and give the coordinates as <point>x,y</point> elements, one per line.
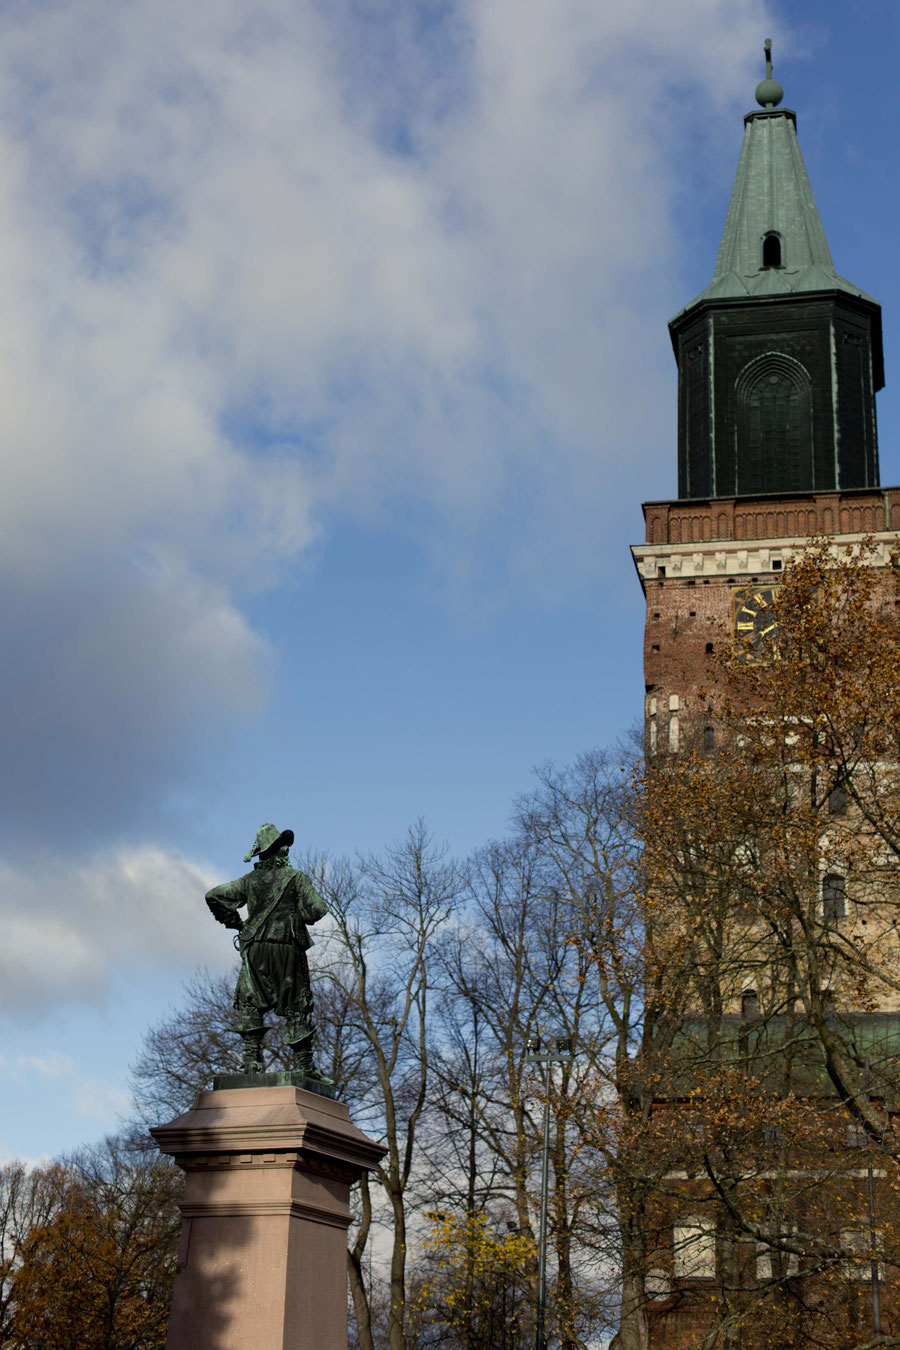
<point>565,1294</point>
<point>361,1309</point>
<point>396,1338</point>
<point>634,1330</point>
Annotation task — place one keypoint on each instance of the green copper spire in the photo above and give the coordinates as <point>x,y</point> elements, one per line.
<point>773,242</point>
<point>780,358</point>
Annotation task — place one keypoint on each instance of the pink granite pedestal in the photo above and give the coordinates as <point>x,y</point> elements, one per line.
<point>262,1263</point>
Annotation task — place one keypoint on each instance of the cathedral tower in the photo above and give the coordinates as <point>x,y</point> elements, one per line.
<point>779,361</point>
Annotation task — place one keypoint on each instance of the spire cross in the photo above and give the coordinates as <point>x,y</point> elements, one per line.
<point>768,50</point>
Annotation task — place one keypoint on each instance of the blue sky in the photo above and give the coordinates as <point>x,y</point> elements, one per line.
<point>334,368</point>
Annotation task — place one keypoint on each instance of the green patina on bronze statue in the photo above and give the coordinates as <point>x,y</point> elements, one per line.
<point>273,941</point>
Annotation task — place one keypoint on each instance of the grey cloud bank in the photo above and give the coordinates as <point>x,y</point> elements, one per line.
<point>117,678</point>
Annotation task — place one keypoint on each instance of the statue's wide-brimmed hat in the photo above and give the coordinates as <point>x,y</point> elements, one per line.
<point>268,838</point>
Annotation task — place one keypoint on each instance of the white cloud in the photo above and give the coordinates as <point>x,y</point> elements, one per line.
<point>206,236</point>
<point>28,1162</point>
<point>102,1103</point>
<point>263,264</point>
<point>66,928</point>
<point>49,1067</point>
<point>88,1097</point>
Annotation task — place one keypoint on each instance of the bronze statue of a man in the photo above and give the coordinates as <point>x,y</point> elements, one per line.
<point>273,943</point>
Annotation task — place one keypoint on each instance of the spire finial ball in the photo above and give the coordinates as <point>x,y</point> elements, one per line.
<point>769,92</point>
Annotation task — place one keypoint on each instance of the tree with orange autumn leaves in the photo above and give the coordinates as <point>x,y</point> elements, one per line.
<point>88,1253</point>
<point>771,881</point>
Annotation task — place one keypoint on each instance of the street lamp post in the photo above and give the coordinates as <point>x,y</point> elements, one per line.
<point>511,1227</point>
<point>876,1291</point>
<point>876,1281</point>
<point>562,1049</point>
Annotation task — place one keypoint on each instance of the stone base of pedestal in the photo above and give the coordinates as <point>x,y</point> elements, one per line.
<point>278,1078</point>
<point>262,1263</point>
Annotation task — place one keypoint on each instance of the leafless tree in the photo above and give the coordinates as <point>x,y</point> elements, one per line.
<point>389,911</point>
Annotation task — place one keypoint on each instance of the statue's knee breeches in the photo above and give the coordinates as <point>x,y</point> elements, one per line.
<point>299,1030</point>
<point>252,1020</point>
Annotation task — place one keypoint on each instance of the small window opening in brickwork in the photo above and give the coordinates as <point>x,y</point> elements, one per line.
<point>693,613</point>
<point>709,738</point>
<point>694,1243</point>
<point>771,251</point>
<point>709,649</point>
<point>692,582</point>
<point>655,649</point>
<point>749,1003</point>
<point>706,581</point>
<point>834,896</point>
<point>837,801</point>
<point>777,564</point>
<point>660,572</point>
<point>656,614</point>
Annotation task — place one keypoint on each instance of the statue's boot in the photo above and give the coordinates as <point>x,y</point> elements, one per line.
<point>303,1062</point>
<point>252,1061</point>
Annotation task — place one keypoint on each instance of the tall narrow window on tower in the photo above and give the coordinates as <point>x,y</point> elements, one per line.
<point>774,426</point>
<point>834,897</point>
<point>771,256</point>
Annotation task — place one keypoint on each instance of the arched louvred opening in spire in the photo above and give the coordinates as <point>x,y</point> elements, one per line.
<point>772,250</point>
<point>774,451</point>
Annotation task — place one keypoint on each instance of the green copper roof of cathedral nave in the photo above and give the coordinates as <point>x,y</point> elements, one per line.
<point>772,199</point>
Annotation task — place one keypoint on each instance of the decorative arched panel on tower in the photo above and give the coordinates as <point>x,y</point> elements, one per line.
<point>774,426</point>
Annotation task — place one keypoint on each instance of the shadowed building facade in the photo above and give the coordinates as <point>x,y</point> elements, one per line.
<point>779,360</point>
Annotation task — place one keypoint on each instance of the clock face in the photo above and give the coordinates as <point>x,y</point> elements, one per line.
<point>755,626</point>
